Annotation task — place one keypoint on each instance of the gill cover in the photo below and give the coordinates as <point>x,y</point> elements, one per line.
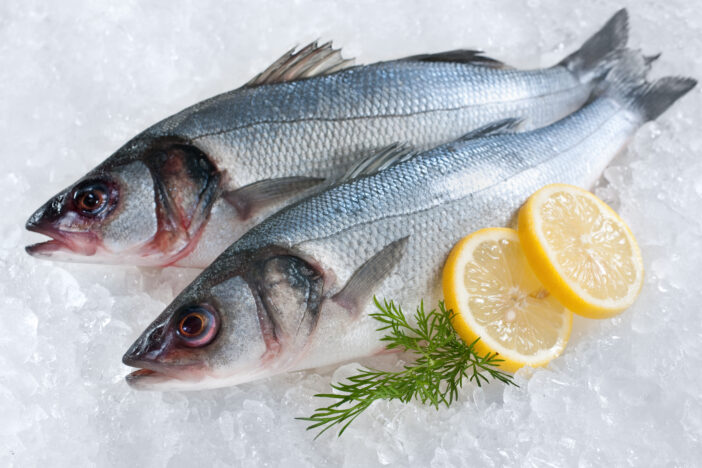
<point>187,184</point>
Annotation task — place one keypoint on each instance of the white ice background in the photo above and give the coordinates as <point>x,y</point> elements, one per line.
<point>77,79</point>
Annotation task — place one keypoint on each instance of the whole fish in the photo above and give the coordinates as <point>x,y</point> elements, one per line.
<point>295,291</point>
<point>183,190</point>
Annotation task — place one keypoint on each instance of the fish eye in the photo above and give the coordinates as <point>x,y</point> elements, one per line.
<point>197,325</point>
<point>91,198</point>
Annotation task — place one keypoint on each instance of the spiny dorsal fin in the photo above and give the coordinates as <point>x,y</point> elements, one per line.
<point>494,128</point>
<point>311,60</point>
<point>473,57</point>
<point>379,160</point>
<point>366,279</point>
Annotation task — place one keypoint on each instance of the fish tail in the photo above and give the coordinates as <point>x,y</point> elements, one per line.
<point>652,99</point>
<point>626,82</point>
<point>596,56</point>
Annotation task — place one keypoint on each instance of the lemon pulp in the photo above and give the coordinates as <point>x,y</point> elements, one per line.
<point>496,296</point>
<point>581,250</point>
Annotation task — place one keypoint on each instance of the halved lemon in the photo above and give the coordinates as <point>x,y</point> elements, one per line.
<point>495,295</point>
<point>581,250</point>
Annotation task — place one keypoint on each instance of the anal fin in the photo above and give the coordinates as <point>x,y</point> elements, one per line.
<point>362,284</point>
<point>263,193</point>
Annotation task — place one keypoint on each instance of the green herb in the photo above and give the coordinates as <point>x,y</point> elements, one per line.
<point>444,361</point>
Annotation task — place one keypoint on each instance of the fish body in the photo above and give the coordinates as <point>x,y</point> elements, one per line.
<point>296,291</point>
<point>184,189</point>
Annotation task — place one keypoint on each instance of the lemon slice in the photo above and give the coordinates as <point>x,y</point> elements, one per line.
<point>581,250</point>
<point>495,295</point>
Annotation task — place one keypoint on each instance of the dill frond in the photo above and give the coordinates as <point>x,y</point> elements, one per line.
<point>443,363</point>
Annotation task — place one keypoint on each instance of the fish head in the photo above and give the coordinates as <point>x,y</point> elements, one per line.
<point>230,326</point>
<point>145,205</point>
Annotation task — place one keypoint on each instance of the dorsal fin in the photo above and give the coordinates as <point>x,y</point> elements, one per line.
<point>494,128</point>
<point>473,57</point>
<point>311,60</point>
<point>379,160</point>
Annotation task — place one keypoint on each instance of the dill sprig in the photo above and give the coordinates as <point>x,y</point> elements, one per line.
<point>443,363</point>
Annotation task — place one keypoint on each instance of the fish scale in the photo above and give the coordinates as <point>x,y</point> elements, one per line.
<point>425,204</point>
<point>321,125</point>
<point>574,151</point>
<point>297,128</point>
<point>384,233</point>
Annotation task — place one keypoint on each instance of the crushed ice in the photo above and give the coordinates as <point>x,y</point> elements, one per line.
<point>78,79</point>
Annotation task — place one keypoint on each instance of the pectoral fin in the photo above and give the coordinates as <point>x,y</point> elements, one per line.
<point>366,279</point>
<point>248,200</point>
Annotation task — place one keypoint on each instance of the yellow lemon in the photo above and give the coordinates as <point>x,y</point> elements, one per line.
<point>581,250</point>
<point>495,295</point>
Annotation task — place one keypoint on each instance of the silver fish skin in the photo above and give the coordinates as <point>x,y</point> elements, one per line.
<point>296,291</point>
<point>183,190</point>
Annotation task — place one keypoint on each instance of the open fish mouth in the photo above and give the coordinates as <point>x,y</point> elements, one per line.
<point>155,376</point>
<point>75,243</point>
<point>191,379</point>
<point>45,249</point>
<point>149,379</point>
<point>187,378</point>
<point>152,375</point>
<point>81,243</point>
<point>146,378</point>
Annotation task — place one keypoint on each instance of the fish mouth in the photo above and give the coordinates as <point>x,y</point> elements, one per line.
<point>146,379</point>
<point>45,249</point>
<point>150,374</point>
<point>192,379</point>
<point>79,243</point>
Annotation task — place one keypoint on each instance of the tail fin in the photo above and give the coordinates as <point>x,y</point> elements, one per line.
<point>652,99</point>
<point>591,61</point>
<point>626,82</point>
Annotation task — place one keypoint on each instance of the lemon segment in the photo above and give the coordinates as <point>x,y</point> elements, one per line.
<point>581,250</point>
<point>495,295</point>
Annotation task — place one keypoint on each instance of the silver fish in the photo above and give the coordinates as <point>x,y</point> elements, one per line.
<point>295,291</point>
<point>183,190</point>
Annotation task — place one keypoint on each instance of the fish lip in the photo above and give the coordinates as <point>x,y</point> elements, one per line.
<point>149,375</point>
<point>150,380</point>
<point>139,373</point>
<point>141,378</point>
<point>82,243</point>
<point>150,371</point>
<point>45,249</point>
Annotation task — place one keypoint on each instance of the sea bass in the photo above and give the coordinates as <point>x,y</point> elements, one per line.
<point>186,188</point>
<point>296,291</point>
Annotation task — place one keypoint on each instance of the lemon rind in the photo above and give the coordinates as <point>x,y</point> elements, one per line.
<point>464,324</point>
<point>539,256</point>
